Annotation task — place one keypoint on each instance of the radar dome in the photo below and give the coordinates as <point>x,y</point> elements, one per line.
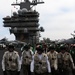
<point>7,16</point>
<point>24,10</point>
<point>14,13</point>
<point>20,12</point>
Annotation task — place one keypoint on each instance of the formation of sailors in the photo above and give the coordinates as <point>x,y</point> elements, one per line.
<point>44,61</point>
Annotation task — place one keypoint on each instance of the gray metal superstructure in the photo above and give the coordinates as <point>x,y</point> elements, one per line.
<point>24,23</point>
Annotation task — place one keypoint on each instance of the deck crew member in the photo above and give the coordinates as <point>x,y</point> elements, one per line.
<point>52,57</point>
<point>26,59</point>
<point>11,61</point>
<point>40,64</point>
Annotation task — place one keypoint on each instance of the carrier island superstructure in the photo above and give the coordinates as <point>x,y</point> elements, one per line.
<point>24,23</point>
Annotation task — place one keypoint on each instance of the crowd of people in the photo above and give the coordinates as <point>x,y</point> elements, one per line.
<point>51,59</point>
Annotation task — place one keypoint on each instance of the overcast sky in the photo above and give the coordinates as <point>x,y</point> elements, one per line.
<point>56,16</point>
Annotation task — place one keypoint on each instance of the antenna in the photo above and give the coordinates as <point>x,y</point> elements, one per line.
<point>16,1</point>
<point>26,0</point>
<point>35,2</point>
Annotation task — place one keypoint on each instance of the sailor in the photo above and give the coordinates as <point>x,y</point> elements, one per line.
<point>26,59</point>
<point>52,57</point>
<point>45,48</point>
<point>72,52</point>
<point>65,61</point>
<point>11,61</point>
<point>40,64</point>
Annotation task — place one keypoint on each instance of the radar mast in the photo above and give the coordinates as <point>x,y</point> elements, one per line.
<point>27,4</point>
